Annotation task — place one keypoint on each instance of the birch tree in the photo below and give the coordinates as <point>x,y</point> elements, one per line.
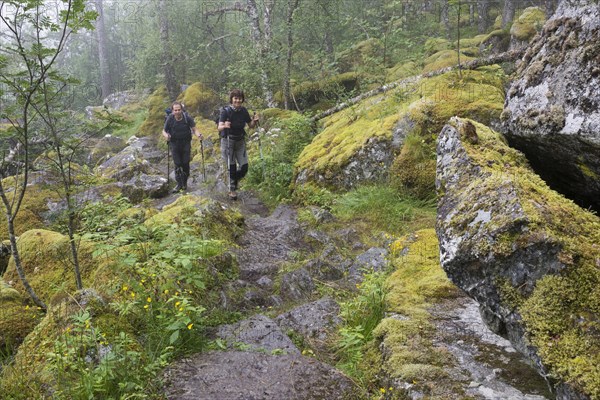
<point>34,39</point>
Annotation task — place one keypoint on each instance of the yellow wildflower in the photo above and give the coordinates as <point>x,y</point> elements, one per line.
<point>149,299</point>
<point>190,325</point>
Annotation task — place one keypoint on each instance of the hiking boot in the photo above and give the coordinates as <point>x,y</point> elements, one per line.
<point>232,195</point>
<point>178,188</point>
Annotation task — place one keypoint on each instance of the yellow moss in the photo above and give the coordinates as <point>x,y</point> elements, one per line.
<point>443,59</point>
<point>45,258</point>
<point>562,314</point>
<point>429,104</point>
<point>199,100</point>
<point>418,281</point>
<point>587,171</point>
<point>401,71</point>
<point>528,24</point>
<point>435,45</point>
<point>207,216</point>
<point>35,204</point>
<point>155,121</point>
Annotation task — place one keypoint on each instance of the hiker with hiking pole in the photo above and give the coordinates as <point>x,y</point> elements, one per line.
<point>178,130</point>
<point>232,121</point>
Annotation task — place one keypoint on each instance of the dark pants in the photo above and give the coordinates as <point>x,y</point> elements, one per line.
<point>181,151</point>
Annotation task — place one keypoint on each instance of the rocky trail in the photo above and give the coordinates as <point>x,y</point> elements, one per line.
<point>259,360</point>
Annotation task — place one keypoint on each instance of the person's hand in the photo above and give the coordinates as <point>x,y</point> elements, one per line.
<point>200,136</point>
<point>255,118</point>
<point>167,136</point>
<point>227,124</point>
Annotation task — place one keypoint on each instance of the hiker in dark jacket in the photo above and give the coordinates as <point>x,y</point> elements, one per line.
<point>178,129</point>
<point>232,121</point>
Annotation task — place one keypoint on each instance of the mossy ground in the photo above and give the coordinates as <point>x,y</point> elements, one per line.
<point>561,316</point>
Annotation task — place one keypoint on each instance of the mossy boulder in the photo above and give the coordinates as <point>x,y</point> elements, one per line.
<point>17,318</point>
<point>207,216</point>
<point>157,103</point>
<point>404,339</point>
<point>73,338</point>
<point>46,260</point>
<point>528,24</point>
<point>34,211</point>
<point>435,45</point>
<point>551,111</point>
<point>200,101</point>
<point>359,144</point>
<point>360,55</point>
<point>529,256</point>
<point>443,59</point>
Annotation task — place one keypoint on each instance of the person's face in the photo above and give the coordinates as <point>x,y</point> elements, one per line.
<point>236,102</point>
<point>177,111</point>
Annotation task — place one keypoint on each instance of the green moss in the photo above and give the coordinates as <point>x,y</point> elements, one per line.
<point>428,104</point>
<point>587,171</point>
<point>443,59</point>
<point>435,45</point>
<point>200,100</point>
<point>45,258</point>
<point>528,24</point>
<point>409,352</point>
<point>207,216</point>
<point>309,94</point>
<point>401,71</point>
<point>562,314</point>
<point>17,319</point>
<point>155,121</point>
<point>33,208</point>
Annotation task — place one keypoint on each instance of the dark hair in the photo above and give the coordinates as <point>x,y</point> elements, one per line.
<point>177,103</point>
<point>236,93</point>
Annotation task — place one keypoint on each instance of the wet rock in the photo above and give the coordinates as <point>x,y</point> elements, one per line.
<point>238,375</point>
<point>138,157</point>
<point>312,320</point>
<point>552,112</point>
<point>119,99</point>
<point>258,333</point>
<point>329,266</point>
<point>297,285</point>
<point>373,260</point>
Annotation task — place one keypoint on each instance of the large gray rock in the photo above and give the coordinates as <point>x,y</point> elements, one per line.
<point>552,112</point>
<point>522,251</point>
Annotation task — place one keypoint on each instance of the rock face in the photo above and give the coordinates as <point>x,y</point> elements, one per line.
<point>524,252</point>
<point>552,112</point>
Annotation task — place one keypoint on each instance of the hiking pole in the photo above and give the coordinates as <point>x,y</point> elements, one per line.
<point>202,158</point>
<point>168,161</point>
<point>260,152</point>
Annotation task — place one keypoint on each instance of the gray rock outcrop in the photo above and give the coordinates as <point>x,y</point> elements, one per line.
<point>523,252</point>
<point>552,112</point>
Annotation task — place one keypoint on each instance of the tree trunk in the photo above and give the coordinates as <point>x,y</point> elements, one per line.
<point>105,76</point>
<point>167,57</point>
<point>483,23</point>
<point>262,42</point>
<point>292,5</point>
<point>445,17</point>
<point>508,12</point>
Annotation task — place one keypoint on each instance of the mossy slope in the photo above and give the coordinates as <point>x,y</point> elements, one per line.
<point>420,109</point>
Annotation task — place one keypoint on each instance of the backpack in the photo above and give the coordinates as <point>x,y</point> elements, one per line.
<point>169,113</point>
<point>217,115</point>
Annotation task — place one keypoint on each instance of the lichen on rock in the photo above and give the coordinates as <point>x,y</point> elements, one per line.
<point>525,253</point>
